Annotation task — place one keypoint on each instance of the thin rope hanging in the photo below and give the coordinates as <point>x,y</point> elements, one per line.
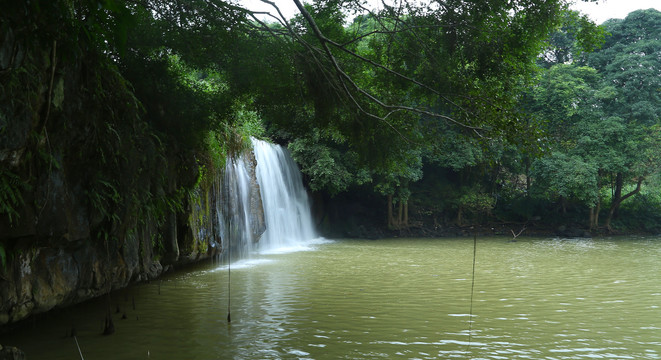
<point>229,275</point>
<point>470,312</point>
<point>78,346</point>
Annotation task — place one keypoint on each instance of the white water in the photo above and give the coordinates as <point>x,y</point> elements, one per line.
<point>284,200</point>
<point>234,210</point>
<point>287,213</point>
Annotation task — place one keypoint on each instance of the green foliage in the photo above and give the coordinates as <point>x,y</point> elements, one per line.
<point>629,61</point>
<point>11,198</point>
<point>248,122</point>
<point>232,138</point>
<point>569,177</point>
<point>597,118</point>
<point>104,197</point>
<point>229,141</point>
<point>455,150</point>
<point>476,202</point>
<point>641,213</point>
<point>564,95</point>
<point>78,25</point>
<point>181,102</point>
<point>378,101</point>
<point>216,151</point>
<point>329,169</point>
<point>3,258</point>
<point>572,40</point>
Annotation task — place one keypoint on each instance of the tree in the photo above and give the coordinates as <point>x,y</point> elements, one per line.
<point>390,83</point>
<point>630,63</point>
<point>601,120</point>
<point>588,145</point>
<point>572,41</point>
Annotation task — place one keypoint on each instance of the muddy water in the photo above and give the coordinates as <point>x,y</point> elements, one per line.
<point>395,298</point>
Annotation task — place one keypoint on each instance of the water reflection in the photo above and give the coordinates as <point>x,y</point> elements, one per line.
<point>534,299</point>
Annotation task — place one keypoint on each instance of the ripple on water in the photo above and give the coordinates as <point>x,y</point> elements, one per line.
<point>534,299</point>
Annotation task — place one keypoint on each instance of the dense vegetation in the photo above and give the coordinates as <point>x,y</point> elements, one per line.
<point>455,113</point>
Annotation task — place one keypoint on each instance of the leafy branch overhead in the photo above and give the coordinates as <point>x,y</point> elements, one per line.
<point>500,100</point>
<point>457,59</point>
<point>397,87</point>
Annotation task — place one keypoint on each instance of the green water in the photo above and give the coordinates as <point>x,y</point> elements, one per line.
<point>397,298</point>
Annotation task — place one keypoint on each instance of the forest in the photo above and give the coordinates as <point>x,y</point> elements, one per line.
<point>415,118</point>
<point>461,119</point>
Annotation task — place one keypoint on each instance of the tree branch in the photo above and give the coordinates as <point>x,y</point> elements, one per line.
<point>634,191</point>
<point>345,78</point>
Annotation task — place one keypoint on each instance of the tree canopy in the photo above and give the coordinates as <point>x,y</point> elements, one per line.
<point>504,101</point>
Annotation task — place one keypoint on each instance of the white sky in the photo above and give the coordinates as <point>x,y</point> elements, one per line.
<point>599,11</point>
<point>603,10</point>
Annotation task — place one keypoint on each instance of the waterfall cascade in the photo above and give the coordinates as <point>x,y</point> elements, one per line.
<point>275,186</point>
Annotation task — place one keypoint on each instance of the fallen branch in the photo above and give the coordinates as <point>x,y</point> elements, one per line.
<point>517,235</point>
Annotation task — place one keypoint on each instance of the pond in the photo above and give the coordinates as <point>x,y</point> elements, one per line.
<point>401,298</point>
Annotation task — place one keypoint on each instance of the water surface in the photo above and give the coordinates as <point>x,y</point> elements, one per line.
<point>395,298</point>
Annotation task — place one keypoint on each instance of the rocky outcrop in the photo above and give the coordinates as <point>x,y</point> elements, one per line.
<point>39,278</point>
<point>239,203</point>
<point>56,259</point>
<point>93,195</point>
<point>573,231</point>
<point>11,353</point>
<point>256,211</point>
<point>91,199</point>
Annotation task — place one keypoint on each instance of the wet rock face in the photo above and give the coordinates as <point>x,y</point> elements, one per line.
<point>48,270</point>
<point>43,278</point>
<point>11,353</point>
<point>56,269</point>
<point>58,282</point>
<point>573,231</point>
<point>84,224</point>
<point>54,259</point>
<point>257,222</point>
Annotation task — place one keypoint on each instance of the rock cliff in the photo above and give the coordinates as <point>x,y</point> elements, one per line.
<point>92,196</point>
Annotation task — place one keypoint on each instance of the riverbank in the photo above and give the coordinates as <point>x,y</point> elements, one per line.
<point>512,230</point>
<point>361,214</point>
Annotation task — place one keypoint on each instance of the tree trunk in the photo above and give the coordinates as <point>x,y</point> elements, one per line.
<point>619,198</point>
<point>459,216</point>
<point>617,195</point>
<point>594,224</point>
<point>390,218</point>
<point>400,213</point>
<point>528,181</point>
<point>406,214</point>
<point>596,214</point>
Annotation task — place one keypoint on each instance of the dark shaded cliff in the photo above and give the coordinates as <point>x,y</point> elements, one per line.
<point>92,195</point>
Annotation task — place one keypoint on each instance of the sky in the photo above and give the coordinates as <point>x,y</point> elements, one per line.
<point>599,11</point>
<point>613,9</point>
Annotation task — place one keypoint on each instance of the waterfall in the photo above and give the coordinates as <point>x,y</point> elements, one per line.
<point>234,210</point>
<point>267,179</point>
<point>285,201</point>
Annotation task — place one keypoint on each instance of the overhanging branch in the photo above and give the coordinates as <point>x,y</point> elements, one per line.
<point>347,81</point>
